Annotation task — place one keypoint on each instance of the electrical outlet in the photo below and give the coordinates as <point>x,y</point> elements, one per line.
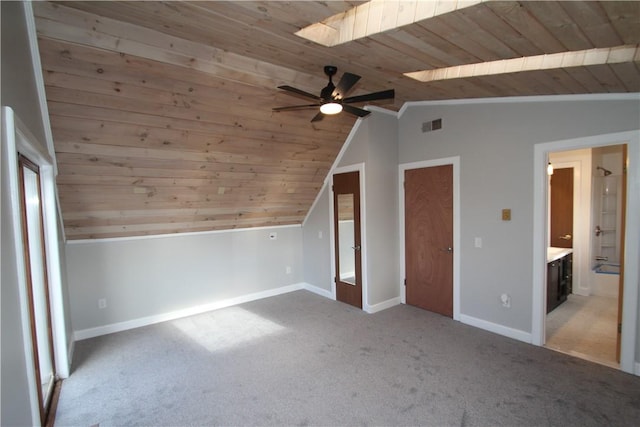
<point>506,214</point>
<point>288,270</point>
<point>478,242</point>
<point>320,234</point>
<point>506,300</point>
<point>102,303</point>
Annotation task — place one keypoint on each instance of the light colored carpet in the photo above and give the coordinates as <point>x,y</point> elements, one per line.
<point>585,327</point>
<point>300,359</point>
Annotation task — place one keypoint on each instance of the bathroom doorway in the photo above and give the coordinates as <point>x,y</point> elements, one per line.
<point>586,321</point>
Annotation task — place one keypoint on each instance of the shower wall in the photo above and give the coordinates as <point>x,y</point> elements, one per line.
<point>606,205</point>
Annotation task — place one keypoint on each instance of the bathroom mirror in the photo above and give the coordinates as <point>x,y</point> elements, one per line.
<point>346,239</point>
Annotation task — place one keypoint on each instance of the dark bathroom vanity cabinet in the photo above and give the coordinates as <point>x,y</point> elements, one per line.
<point>559,277</point>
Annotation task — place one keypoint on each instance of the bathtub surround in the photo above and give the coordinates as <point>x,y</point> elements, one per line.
<point>605,280</point>
<point>606,202</point>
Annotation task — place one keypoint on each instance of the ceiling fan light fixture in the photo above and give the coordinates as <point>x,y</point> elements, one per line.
<point>330,108</point>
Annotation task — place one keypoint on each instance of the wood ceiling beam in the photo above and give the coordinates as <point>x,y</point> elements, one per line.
<point>582,58</point>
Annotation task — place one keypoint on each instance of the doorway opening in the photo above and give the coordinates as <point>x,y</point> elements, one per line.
<point>583,280</point>
<point>582,250</point>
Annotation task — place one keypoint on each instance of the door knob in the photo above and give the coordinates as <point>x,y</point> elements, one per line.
<point>355,248</point>
<point>448,250</point>
<point>565,237</point>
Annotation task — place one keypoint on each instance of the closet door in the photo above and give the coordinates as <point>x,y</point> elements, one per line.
<point>429,238</point>
<point>348,258</point>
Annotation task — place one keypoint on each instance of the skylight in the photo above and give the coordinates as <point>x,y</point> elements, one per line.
<point>611,55</point>
<point>375,17</point>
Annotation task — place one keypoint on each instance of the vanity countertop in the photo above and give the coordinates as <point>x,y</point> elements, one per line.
<point>557,253</point>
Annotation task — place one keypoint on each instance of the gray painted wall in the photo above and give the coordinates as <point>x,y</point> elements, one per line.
<point>495,143</point>
<point>317,250</point>
<point>155,276</point>
<point>381,172</point>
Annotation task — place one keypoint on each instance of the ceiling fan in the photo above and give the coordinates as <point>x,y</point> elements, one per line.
<point>332,98</point>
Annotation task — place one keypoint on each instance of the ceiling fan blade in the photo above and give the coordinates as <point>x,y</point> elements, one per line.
<point>344,85</point>
<point>375,96</point>
<point>355,110</point>
<point>295,107</point>
<point>299,92</point>
<point>317,117</point>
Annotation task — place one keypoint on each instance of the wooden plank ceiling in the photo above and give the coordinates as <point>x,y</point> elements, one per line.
<point>161,111</point>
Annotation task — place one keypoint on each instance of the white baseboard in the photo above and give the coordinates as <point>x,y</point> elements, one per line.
<point>382,306</point>
<point>319,291</point>
<point>150,320</point>
<point>516,334</point>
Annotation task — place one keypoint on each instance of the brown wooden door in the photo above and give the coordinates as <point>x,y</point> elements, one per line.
<point>561,217</point>
<point>429,238</point>
<point>346,218</point>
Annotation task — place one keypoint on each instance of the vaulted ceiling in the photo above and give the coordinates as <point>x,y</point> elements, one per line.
<point>162,116</point>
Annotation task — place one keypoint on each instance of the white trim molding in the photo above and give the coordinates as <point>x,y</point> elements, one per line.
<point>37,74</point>
<point>318,291</point>
<point>632,237</point>
<point>521,99</point>
<point>178,235</point>
<point>455,161</point>
<point>516,334</point>
<point>374,308</point>
<point>381,110</point>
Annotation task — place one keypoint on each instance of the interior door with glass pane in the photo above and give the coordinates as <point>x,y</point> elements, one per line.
<point>348,259</point>
<point>37,283</point>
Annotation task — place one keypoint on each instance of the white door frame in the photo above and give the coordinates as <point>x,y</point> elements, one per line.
<point>18,139</point>
<point>455,161</point>
<point>632,237</point>
<point>358,167</point>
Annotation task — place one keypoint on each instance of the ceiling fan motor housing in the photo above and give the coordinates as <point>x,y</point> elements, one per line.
<point>326,93</point>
